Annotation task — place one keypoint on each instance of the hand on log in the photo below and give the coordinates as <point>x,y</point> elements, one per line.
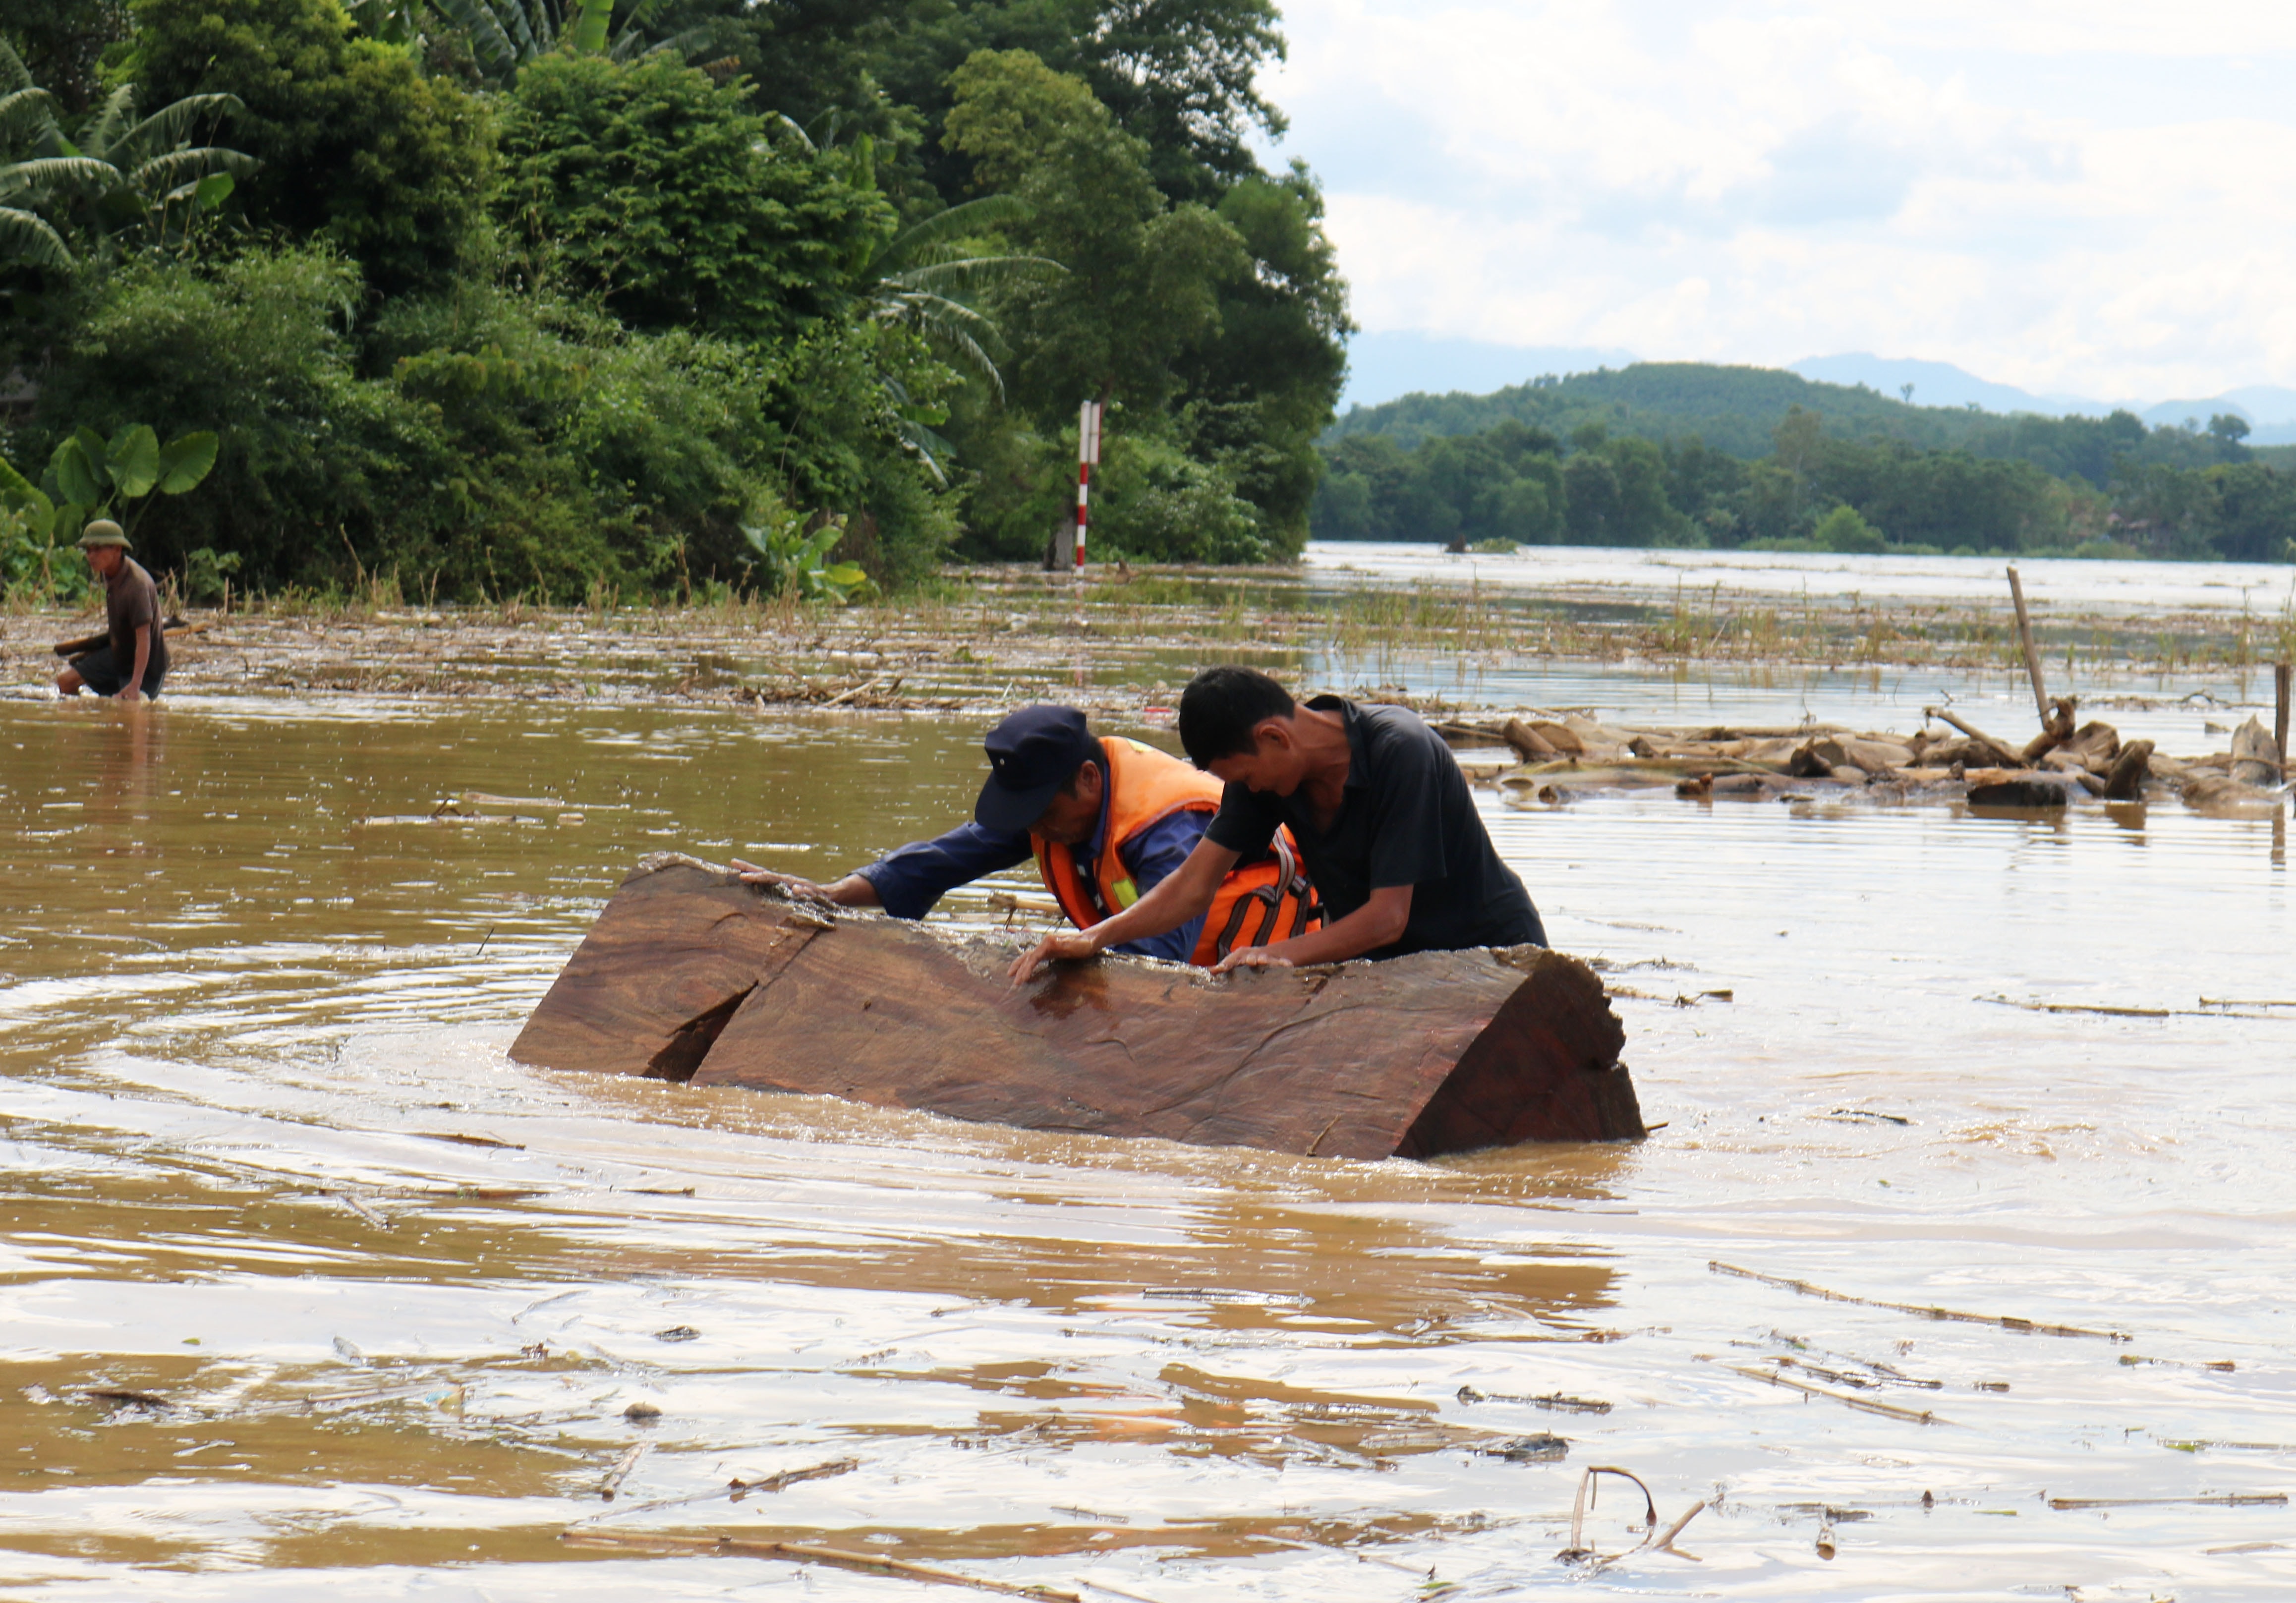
<point>1062,943</point>
<point>1251,957</point>
<point>795,887</point>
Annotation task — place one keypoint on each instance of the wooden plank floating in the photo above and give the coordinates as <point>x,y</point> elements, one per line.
<point>690,976</point>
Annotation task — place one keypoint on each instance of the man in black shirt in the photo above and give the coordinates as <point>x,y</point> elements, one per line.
<point>1385,825</point>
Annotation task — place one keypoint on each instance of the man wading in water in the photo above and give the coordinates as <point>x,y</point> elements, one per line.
<point>132,658</point>
<point>1385,824</point>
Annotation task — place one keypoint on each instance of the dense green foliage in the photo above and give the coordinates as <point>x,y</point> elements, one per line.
<point>487,296</point>
<point>2118,490</point>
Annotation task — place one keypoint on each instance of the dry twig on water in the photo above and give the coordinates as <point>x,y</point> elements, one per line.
<point>736,1546</point>
<point>1578,1552</point>
<point>735,1490</point>
<point>2227,1499</point>
<point>2006,1321</point>
<point>1917,1416</point>
<point>621,1470</point>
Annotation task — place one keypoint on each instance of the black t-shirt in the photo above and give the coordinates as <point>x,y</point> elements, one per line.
<point>131,600</point>
<point>1406,818</point>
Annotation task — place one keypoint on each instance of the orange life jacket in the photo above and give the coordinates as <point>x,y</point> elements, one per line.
<point>1257,903</point>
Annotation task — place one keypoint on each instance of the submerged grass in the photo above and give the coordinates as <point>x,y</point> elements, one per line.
<point>1155,622</point>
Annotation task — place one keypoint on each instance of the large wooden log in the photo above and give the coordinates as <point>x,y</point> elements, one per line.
<point>689,974</point>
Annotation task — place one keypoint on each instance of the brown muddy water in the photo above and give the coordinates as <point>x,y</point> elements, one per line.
<point>372,1303</point>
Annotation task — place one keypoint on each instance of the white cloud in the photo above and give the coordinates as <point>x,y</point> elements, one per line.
<point>2088,196</point>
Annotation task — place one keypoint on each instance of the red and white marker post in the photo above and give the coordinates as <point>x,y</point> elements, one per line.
<point>1088,456</point>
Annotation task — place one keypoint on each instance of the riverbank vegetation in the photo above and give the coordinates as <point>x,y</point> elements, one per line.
<point>1680,455</point>
<point>502,297</point>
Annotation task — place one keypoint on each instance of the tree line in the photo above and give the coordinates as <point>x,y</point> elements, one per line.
<point>2104,487</point>
<point>551,296</point>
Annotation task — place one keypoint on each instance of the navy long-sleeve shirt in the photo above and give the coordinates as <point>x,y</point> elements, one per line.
<point>909,880</point>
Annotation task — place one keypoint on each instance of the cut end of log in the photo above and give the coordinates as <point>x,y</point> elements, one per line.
<point>690,976</point>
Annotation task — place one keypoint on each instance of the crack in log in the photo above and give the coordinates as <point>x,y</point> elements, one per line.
<point>681,1055</point>
<point>724,1012</point>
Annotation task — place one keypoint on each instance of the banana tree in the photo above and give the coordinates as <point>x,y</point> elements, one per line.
<point>506,34</point>
<point>120,174</point>
<point>793,560</point>
<point>27,115</point>
<point>140,170</point>
<point>927,276</point>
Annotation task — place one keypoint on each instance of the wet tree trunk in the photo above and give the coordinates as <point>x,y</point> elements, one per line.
<point>690,976</point>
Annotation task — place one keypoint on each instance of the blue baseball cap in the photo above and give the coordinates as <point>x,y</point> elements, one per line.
<point>1031,755</point>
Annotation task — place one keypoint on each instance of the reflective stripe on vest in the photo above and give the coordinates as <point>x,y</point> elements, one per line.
<point>1257,903</point>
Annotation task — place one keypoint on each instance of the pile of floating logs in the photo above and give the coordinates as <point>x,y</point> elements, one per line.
<point>1563,752</point>
<point>1559,753</point>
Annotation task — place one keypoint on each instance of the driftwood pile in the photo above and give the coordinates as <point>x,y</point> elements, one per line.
<point>1561,753</point>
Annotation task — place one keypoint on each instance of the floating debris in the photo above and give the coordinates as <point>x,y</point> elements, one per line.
<point>2221,1365</point>
<point>2228,1499</point>
<point>2006,1321</point>
<point>735,1547</point>
<point>1863,1404</point>
<point>1554,1400</point>
<point>151,1402</point>
<point>1091,1516</point>
<point>623,1465</point>
<point>2062,763</point>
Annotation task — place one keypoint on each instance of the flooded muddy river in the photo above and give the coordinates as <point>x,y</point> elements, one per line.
<point>308,1291</point>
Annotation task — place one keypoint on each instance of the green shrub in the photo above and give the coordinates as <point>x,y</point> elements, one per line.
<point>1843,530</point>
<point>1155,502</point>
<point>358,148</point>
<point>652,187</point>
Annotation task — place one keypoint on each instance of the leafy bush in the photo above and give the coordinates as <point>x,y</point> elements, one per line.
<point>1843,530</point>
<point>1159,505</point>
<point>358,148</point>
<point>652,187</point>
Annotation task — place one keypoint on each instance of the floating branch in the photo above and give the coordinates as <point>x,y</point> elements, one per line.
<point>2008,1322</point>
<point>871,1564</point>
<point>1916,1416</point>
<point>2228,1500</point>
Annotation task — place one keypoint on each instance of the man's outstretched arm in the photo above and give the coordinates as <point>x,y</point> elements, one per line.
<point>908,881</point>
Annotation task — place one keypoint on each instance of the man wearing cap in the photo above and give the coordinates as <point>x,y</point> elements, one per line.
<point>1378,806</point>
<point>131,659</point>
<point>1107,819</point>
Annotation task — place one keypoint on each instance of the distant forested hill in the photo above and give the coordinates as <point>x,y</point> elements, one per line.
<point>1691,454</point>
<point>1731,409</point>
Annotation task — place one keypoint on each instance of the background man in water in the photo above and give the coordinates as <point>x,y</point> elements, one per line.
<point>133,657</point>
<point>1381,813</point>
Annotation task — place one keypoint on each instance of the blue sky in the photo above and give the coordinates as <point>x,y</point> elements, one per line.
<point>2091,199</point>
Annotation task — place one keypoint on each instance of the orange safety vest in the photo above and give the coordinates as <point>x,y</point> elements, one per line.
<point>1257,903</point>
